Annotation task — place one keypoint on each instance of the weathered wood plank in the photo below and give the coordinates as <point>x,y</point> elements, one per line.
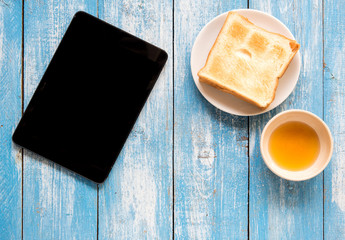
<point>135,202</point>
<point>210,155</point>
<point>57,203</point>
<point>334,105</point>
<point>10,113</point>
<point>282,209</point>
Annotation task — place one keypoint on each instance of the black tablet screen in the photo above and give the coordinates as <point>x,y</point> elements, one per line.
<point>90,97</point>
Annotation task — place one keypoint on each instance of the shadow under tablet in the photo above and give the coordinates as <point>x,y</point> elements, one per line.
<point>90,97</point>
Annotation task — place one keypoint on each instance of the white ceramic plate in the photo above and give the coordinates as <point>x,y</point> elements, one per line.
<point>225,101</point>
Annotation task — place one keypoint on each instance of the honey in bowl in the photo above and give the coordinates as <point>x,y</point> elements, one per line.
<point>294,146</point>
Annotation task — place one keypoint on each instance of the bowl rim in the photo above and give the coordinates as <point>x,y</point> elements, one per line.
<point>282,175</point>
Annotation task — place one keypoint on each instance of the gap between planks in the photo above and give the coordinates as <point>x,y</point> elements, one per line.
<point>22,102</point>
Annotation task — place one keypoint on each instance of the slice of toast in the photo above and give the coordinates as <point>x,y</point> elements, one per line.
<point>247,61</point>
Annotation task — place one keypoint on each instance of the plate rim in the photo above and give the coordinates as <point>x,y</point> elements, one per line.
<point>213,101</point>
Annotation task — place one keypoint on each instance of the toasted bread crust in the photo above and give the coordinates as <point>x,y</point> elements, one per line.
<point>221,86</point>
<point>209,53</point>
<point>229,90</point>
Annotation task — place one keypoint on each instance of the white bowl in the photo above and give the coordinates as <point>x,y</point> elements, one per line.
<point>323,132</point>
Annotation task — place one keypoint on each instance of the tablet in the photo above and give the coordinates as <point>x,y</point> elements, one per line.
<point>90,97</point>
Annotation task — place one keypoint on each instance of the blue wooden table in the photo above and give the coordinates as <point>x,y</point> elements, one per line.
<point>188,170</point>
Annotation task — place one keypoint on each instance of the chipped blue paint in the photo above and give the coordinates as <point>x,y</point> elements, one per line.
<point>57,204</point>
<point>334,114</point>
<point>10,113</point>
<point>177,130</point>
<point>281,209</point>
<point>136,200</point>
<point>210,155</point>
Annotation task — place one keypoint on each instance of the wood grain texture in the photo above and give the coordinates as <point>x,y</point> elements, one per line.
<point>135,202</point>
<point>210,146</point>
<point>58,204</point>
<point>334,105</point>
<point>10,113</point>
<point>281,209</point>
